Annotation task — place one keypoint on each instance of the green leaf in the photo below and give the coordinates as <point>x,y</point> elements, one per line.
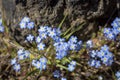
<point>61,23</point>
<point>77,29</point>
<point>57,61</point>
<point>61,66</point>
<point>49,62</point>
<point>67,31</point>
<point>65,60</point>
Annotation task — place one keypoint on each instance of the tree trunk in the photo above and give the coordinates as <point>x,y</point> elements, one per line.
<point>51,12</point>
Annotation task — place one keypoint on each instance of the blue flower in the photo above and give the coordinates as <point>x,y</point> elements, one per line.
<point>38,65</point>
<point>107,30</point>
<point>38,39</point>
<point>80,42</point>
<point>97,64</point>
<point>42,29</point>
<point>109,54</point>
<point>21,57</point>
<point>43,35</point>
<point>105,59</point>
<point>63,78</point>
<point>58,39</point>
<point>73,63</point>
<point>26,54</point>
<point>1,28</point>
<point>110,36</point>
<point>111,33</point>
<point>34,62</point>
<point>93,53</point>
<point>25,19</point>
<point>61,54</point>
<point>58,32</point>
<point>13,61</point>
<point>23,25</point>
<point>43,60</point>
<point>118,29</point>
<point>16,67</point>
<point>20,51</point>
<point>41,46</point>
<point>89,44</point>
<point>30,37</point>
<point>23,54</point>
<point>56,74</point>
<point>49,29</point>
<point>109,63</point>
<point>71,67</point>
<point>79,45</point>
<point>73,46</point>
<point>30,25</point>
<point>92,62</point>
<point>43,66</point>
<point>104,56</point>
<point>62,49</point>
<point>117,74</point>
<point>105,48</point>
<point>73,39</point>
<point>52,33</point>
<point>114,24</point>
<point>101,54</point>
<point>115,31</point>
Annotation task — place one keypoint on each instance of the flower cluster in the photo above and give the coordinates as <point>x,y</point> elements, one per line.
<point>1,26</point>
<point>118,75</point>
<point>43,33</point>
<point>112,33</point>
<point>102,56</point>
<point>74,44</point>
<point>26,23</point>
<point>72,66</point>
<point>21,54</point>
<point>57,74</point>
<point>62,47</point>
<point>40,64</point>
<point>16,66</point>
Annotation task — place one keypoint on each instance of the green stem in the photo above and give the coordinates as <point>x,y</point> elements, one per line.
<point>67,31</point>
<point>61,66</point>
<point>60,25</point>
<point>81,25</point>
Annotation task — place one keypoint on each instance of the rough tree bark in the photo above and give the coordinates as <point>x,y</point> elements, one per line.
<point>51,12</point>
